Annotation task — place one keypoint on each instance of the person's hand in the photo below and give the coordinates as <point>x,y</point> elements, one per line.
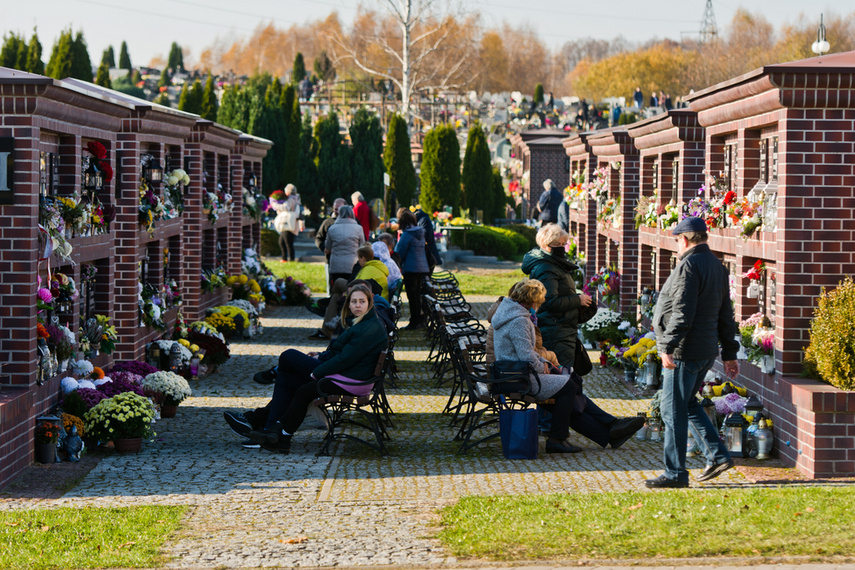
<point>668,361</point>
<point>585,299</point>
<point>546,369</point>
<point>731,368</point>
<point>312,354</point>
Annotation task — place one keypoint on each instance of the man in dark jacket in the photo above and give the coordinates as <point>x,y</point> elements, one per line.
<point>547,205</point>
<point>564,216</point>
<point>321,235</point>
<point>693,315</point>
<point>425,223</point>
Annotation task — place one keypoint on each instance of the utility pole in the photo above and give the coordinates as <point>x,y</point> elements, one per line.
<point>708,27</point>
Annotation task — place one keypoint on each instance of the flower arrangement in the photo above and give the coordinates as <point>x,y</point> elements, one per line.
<point>204,328</point>
<point>120,385</point>
<point>598,188</point>
<point>216,351</point>
<point>151,306</point>
<point>63,289</point>
<point>99,160</point>
<point>609,213</point>
<point>254,203</point>
<point>214,204</point>
<point>173,191</point>
<point>126,415</point>
<point>251,265</point>
<point>151,207</point>
<point>213,279</point>
<point>606,282</point>
<point>223,323</point>
<point>183,348</point>
<point>73,213</point>
<point>640,352</point>
<point>711,211</point>
<point>47,432</point>
<point>758,337</point>
<point>246,306</point>
<point>134,367</point>
<point>52,224</point>
<point>756,271</point>
<point>243,287</point>
<point>442,217</point>
<point>603,327</point>
<point>173,387</point>
<point>70,420</point>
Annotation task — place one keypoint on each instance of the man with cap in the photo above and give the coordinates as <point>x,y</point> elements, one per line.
<point>547,205</point>
<point>693,316</point>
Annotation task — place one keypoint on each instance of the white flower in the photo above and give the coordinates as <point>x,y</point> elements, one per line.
<point>100,381</point>
<point>172,180</point>
<point>250,201</point>
<point>81,368</point>
<point>68,384</point>
<point>86,384</point>
<point>623,326</point>
<point>169,384</point>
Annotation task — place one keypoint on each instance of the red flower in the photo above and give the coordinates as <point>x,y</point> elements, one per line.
<point>96,149</point>
<point>41,331</point>
<point>730,197</point>
<point>107,171</point>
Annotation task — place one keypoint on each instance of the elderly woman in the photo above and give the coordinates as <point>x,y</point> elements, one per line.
<point>514,338</point>
<point>287,222</point>
<point>343,239</point>
<point>558,317</point>
<point>411,248</point>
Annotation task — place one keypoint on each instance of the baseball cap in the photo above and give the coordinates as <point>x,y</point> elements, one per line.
<point>691,224</point>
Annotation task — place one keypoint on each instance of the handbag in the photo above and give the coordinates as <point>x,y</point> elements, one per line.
<point>518,373</point>
<point>586,313</point>
<point>582,364</point>
<point>518,431</point>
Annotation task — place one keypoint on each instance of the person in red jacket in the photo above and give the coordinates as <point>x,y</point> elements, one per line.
<point>360,212</point>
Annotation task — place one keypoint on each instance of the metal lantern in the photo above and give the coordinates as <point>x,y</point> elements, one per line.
<point>727,389</point>
<point>753,407</point>
<point>151,169</point>
<point>736,434</point>
<point>709,409</point>
<point>154,355</point>
<point>175,357</point>
<point>764,439</point>
<point>252,181</point>
<point>641,434</point>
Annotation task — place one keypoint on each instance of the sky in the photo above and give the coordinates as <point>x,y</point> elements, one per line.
<point>150,28</point>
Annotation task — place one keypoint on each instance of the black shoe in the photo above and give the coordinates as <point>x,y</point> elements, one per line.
<point>561,447</point>
<point>663,482</point>
<point>713,471</point>
<point>281,446</point>
<point>265,376</point>
<point>318,335</point>
<point>265,436</point>
<point>238,423</point>
<point>249,444</point>
<point>315,309</point>
<point>622,429</point>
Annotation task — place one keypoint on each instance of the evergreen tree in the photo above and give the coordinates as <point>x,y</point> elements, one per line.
<point>209,100</point>
<point>332,159</point>
<point>59,64</point>
<point>477,177</point>
<point>163,99</point>
<point>165,79</point>
<point>266,121</point>
<point>182,97</point>
<point>81,65</point>
<point>9,52</point>
<point>538,93</point>
<point>136,78</point>
<point>195,98</point>
<point>109,57</point>
<point>324,67</point>
<point>103,76</point>
<point>176,58</point>
<point>498,198</point>
<point>366,157</point>
<point>440,173</point>
<point>123,84</point>
<point>398,160</point>
<point>34,56</point>
<point>124,58</point>
<point>234,111</point>
<point>299,71</point>
<point>307,171</point>
<point>293,125</point>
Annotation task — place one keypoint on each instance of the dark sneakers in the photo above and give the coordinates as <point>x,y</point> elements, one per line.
<point>249,444</point>
<point>281,446</point>
<point>622,429</point>
<point>713,471</point>
<point>663,482</point>
<point>553,446</point>
<point>238,423</point>
<point>265,376</point>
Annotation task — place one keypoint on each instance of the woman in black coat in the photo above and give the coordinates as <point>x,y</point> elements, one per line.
<point>351,357</point>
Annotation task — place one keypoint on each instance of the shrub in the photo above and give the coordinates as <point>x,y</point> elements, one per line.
<point>527,232</point>
<point>832,337</point>
<point>483,240</point>
<point>519,240</point>
<point>270,243</point>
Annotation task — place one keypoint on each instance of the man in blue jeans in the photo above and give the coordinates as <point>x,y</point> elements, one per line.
<point>693,316</point>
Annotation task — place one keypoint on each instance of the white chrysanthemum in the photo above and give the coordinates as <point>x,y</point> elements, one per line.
<point>87,384</point>
<point>68,384</point>
<point>81,368</point>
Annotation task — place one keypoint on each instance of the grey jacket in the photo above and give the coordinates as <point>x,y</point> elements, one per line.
<point>343,239</point>
<point>693,314</point>
<point>514,339</point>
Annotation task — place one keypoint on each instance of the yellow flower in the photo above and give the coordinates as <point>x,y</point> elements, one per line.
<point>243,279</point>
<point>194,348</point>
<point>231,280</point>
<point>184,342</point>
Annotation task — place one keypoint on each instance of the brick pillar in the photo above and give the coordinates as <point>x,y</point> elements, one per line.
<point>191,251</point>
<point>235,163</point>
<point>630,246</point>
<point>128,248</point>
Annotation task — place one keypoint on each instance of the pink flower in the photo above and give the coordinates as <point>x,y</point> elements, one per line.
<point>45,295</point>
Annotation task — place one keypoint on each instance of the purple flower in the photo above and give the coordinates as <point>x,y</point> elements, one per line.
<point>134,366</point>
<point>45,295</point>
<point>91,396</point>
<point>117,386</point>
<point>125,377</point>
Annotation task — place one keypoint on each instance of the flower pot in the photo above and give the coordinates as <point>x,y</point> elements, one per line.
<point>45,453</point>
<point>128,445</point>
<point>168,410</point>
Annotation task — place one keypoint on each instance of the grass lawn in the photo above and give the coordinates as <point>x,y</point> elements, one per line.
<point>487,281</point>
<point>813,522</point>
<point>86,537</point>
<point>312,274</point>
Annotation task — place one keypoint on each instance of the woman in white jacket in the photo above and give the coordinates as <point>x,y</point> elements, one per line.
<point>287,222</point>
<point>514,339</point>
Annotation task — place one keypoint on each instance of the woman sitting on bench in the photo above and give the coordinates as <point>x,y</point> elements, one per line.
<point>351,357</point>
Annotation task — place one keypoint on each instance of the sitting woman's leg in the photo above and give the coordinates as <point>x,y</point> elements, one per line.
<point>295,369</point>
<point>593,423</point>
<point>305,395</point>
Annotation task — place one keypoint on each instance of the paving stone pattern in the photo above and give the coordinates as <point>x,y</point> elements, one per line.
<point>251,508</point>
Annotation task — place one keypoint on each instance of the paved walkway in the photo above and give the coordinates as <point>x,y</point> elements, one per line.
<point>250,508</point>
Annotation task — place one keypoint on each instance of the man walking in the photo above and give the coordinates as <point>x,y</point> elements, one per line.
<point>547,205</point>
<point>692,317</point>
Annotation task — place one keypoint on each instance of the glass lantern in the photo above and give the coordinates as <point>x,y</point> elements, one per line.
<point>764,439</point>
<point>753,407</point>
<point>655,428</point>
<point>195,360</point>
<point>154,355</point>
<point>736,434</point>
<point>175,357</point>
<point>641,434</point>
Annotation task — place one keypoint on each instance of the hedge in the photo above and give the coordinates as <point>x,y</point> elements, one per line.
<point>270,243</point>
<point>487,240</point>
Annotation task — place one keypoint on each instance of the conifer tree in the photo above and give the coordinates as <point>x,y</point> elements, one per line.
<point>440,173</point>
<point>266,121</point>
<point>538,93</point>
<point>9,53</point>
<point>366,136</point>
<point>163,99</point>
<point>108,57</point>
<point>81,65</point>
<point>175,61</point>
<point>332,159</point>
<point>210,106</point>
<point>34,56</point>
<point>293,125</point>
<point>165,79</point>
<point>398,160</point>
<point>498,198</point>
<point>477,177</point>
<point>124,58</point>
<point>307,171</point>
<point>182,97</point>
<point>102,78</point>
<point>59,64</point>
<point>299,71</point>
<point>136,77</point>
<point>195,97</point>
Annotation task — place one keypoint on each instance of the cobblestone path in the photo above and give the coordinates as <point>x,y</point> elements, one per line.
<point>251,508</point>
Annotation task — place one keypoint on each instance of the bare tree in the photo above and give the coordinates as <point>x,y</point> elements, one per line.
<point>418,45</point>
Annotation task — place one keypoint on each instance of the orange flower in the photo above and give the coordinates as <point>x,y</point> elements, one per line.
<point>42,331</point>
<point>97,373</point>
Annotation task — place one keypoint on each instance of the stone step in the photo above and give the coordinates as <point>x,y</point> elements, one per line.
<point>452,255</point>
<point>477,259</point>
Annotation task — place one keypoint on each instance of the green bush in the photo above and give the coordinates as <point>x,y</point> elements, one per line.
<point>831,352</point>
<point>487,240</point>
<point>519,240</point>
<point>527,232</point>
<point>270,243</point>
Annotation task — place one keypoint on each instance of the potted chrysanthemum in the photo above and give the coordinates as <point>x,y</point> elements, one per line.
<point>125,419</point>
<point>171,386</point>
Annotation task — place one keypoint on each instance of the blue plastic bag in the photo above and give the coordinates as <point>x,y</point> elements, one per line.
<point>519,432</point>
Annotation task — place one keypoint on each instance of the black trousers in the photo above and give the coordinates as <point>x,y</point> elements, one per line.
<point>286,244</point>
<point>413,286</point>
